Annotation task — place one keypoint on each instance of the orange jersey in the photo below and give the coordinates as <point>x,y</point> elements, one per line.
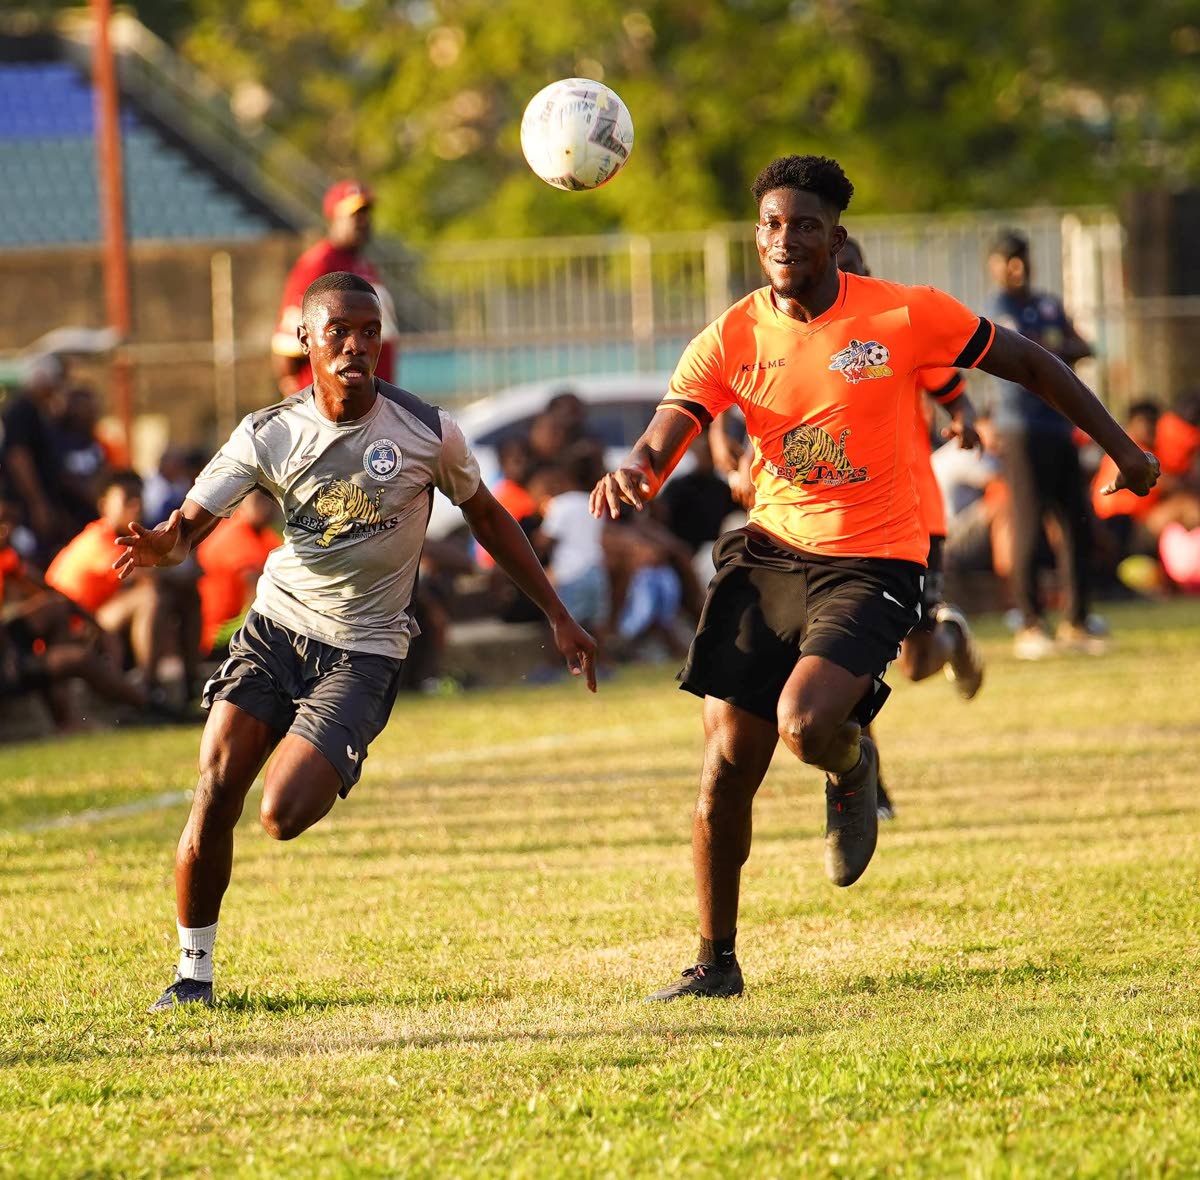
<point>1176,443</point>
<point>231,558</point>
<point>942,386</point>
<point>83,570</point>
<point>830,407</point>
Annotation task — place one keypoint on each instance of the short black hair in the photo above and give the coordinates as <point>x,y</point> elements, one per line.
<point>814,174</point>
<point>1010,244</point>
<point>335,280</point>
<point>124,478</point>
<point>1146,408</point>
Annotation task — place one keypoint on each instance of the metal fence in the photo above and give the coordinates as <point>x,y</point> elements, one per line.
<point>503,312</point>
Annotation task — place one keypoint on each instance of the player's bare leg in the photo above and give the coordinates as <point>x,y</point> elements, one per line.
<point>232,752</point>
<point>949,645</point>
<point>737,752</point>
<point>301,787</point>
<point>815,724</point>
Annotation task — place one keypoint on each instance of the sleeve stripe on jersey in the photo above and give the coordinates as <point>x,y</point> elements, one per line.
<point>949,391</point>
<point>693,410</point>
<point>976,348</point>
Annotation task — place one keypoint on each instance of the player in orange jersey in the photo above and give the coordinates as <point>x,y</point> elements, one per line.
<point>942,639</point>
<point>811,600</point>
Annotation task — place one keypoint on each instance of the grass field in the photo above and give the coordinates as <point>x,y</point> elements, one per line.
<point>445,976</point>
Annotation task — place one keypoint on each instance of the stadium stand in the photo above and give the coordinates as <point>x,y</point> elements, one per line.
<point>48,166</point>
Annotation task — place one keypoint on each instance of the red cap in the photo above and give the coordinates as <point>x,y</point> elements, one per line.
<point>347,196</point>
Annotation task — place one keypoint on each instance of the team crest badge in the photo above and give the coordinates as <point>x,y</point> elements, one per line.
<point>862,360</point>
<point>381,460</point>
<point>813,456</point>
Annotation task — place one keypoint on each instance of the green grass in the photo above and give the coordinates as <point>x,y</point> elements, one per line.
<point>444,977</point>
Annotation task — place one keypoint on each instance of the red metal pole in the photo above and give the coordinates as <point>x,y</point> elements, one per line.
<point>112,209</point>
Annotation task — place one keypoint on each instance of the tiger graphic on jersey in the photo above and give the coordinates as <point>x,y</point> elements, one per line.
<point>812,455</point>
<point>341,504</point>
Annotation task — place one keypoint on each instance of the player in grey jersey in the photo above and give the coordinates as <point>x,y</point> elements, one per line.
<point>312,675</point>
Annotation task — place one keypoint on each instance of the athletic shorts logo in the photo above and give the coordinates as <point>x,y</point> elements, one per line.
<point>812,456</point>
<point>341,504</point>
<point>862,360</point>
<point>381,460</point>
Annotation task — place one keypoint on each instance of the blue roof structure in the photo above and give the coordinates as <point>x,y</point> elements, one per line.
<point>48,170</point>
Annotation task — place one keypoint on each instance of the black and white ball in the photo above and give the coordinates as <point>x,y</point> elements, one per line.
<point>875,354</point>
<point>576,134</point>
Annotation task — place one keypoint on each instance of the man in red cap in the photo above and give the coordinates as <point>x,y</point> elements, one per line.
<point>347,209</point>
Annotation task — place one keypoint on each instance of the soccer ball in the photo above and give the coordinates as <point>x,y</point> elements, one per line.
<point>576,134</point>
<point>875,355</point>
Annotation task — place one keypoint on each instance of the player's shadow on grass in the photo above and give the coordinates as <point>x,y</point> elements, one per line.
<point>297,1002</point>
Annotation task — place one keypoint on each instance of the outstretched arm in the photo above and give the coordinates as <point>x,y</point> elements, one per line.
<point>501,536</point>
<point>1014,358</point>
<point>652,459</point>
<point>167,544</point>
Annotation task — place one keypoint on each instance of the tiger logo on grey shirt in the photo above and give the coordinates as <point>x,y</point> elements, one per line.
<point>356,498</point>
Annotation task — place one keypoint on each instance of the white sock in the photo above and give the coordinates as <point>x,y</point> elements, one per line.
<point>196,951</point>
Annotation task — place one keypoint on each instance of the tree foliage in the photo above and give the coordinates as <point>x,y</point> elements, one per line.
<point>928,104</point>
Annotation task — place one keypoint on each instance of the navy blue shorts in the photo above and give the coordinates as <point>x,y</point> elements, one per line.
<point>336,699</point>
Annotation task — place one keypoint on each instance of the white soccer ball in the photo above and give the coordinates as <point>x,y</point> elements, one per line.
<point>876,354</point>
<point>576,134</point>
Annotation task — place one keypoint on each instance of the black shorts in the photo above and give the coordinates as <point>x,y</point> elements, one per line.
<point>934,593</point>
<point>768,605</point>
<point>336,699</point>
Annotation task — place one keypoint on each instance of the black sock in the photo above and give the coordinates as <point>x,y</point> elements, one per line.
<point>718,952</point>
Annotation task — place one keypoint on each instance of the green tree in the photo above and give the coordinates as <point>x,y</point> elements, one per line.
<point>928,104</point>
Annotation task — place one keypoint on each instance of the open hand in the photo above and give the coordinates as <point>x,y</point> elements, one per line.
<point>1139,478</point>
<point>578,648</point>
<point>142,547</point>
<point>628,484</point>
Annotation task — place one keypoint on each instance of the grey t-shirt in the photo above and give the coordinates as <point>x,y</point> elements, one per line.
<point>356,498</point>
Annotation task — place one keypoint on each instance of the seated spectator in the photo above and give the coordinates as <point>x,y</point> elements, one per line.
<point>548,439</point>
<point>82,457</point>
<point>28,463</point>
<point>975,500</point>
<point>572,539</point>
<point>1123,515</point>
<point>1177,441</point>
<point>46,642</point>
<point>647,590</point>
<point>695,506</point>
<point>231,558</point>
<point>516,462</point>
<point>167,488</point>
<point>1179,546</point>
<point>151,610</point>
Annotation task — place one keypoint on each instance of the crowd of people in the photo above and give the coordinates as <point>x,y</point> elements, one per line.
<point>1028,500</point>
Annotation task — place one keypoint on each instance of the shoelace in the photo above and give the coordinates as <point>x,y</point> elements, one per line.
<point>699,971</point>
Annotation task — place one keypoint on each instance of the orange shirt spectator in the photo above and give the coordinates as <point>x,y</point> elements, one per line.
<point>231,557</point>
<point>83,570</point>
<point>1176,443</point>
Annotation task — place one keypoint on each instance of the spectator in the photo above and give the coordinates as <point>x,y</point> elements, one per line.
<point>1177,442</point>
<point>81,456</point>
<point>573,539</point>
<point>970,480</point>
<point>695,506</point>
<point>1041,462</point>
<point>347,208</point>
<point>516,462</point>
<point>45,642</point>
<point>548,439</point>
<point>1123,514</point>
<point>231,558</point>
<point>165,490</point>
<point>1179,546</point>
<point>151,610</point>
<point>31,471</point>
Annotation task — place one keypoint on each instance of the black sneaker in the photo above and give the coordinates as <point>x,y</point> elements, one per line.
<point>705,980</point>
<point>184,991</point>
<point>883,802</point>
<point>852,819</point>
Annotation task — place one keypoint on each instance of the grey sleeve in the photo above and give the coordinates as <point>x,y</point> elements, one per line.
<point>456,473</point>
<point>231,474</point>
